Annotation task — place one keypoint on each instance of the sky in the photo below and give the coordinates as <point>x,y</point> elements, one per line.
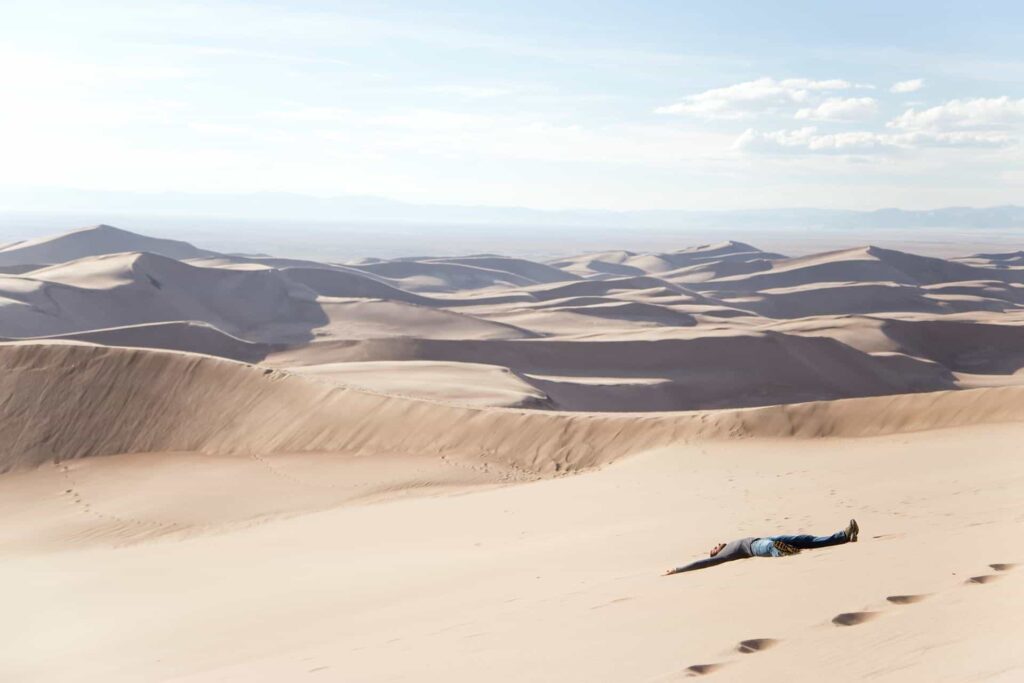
<point>653,104</point>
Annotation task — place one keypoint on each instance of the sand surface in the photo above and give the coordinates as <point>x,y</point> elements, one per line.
<point>217,467</point>
<point>554,580</point>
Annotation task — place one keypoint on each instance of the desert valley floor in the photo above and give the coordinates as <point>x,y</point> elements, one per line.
<point>224,467</point>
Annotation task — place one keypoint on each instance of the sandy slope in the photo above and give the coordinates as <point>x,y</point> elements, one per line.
<point>132,288</point>
<point>709,371</point>
<point>69,400</point>
<point>187,336</point>
<point>693,264</point>
<point>94,241</point>
<point>551,581</point>
<point>468,383</point>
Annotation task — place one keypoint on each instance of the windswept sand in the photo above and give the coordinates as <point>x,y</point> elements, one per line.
<point>244,468</point>
<point>551,581</point>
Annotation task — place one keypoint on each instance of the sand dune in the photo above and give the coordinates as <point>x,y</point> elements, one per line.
<point>961,346</point>
<point>651,285</point>
<point>257,304</point>
<point>604,264</point>
<point>867,297</point>
<point>530,270</point>
<point>462,383</point>
<point>708,258</point>
<point>984,289</point>
<point>78,400</point>
<point>865,264</point>
<point>351,283</point>
<point>18,269</point>
<point>94,241</point>
<point>440,276</point>
<point>716,269</point>
<point>622,310</point>
<point>1013,259</point>
<point>706,372</point>
<point>134,288</point>
<point>682,330</point>
<point>376,319</point>
<point>188,336</point>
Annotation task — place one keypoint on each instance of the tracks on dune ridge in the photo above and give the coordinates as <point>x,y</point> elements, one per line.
<point>127,529</point>
<point>842,620</point>
<point>99,520</point>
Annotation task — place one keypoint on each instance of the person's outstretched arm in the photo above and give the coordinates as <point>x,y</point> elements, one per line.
<point>699,564</point>
<point>734,550</point>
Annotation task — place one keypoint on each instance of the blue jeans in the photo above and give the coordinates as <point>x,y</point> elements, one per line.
<point>763,547</point>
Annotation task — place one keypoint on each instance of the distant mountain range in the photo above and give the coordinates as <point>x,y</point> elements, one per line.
<point>275,205</point>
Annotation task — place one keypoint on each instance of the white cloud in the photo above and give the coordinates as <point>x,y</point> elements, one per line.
<point>808,140</point>
<point>978,113</point>
<point>743,100</point>
<point>841,109</point>
<point>912,85</point>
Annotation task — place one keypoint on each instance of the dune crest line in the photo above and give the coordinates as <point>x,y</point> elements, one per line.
<point>76,400</point>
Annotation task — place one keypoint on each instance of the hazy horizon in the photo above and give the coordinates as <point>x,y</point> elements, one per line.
<point>344,240</point>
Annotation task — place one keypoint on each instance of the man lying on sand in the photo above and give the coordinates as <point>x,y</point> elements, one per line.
<point>769,546</point>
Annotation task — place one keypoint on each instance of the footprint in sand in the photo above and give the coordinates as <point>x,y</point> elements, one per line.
<point>853,618</point>
<point>702,669</point>
<point>1003,566</point>
<point>984,578</point>
<point>905,599</point>
<point>756,645</point>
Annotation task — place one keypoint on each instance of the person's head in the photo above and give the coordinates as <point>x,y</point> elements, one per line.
<point>717,549</point>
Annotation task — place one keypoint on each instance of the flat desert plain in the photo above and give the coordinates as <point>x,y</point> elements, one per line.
<point>228,467</point>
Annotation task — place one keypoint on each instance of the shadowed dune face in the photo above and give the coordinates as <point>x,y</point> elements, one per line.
<point>351,283</point>
<point>445,276</point>
<point>961,346</point>
<point>694,264</point>
<point>94,241</point>
<point>76,400</point>
<point>715,326</point>
<point>190,337</point>
<point>688,374</point>
<point>135,288</point>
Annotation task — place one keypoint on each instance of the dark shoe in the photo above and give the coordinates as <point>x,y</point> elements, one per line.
<point>785,548</point>
<point>852,529</point>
